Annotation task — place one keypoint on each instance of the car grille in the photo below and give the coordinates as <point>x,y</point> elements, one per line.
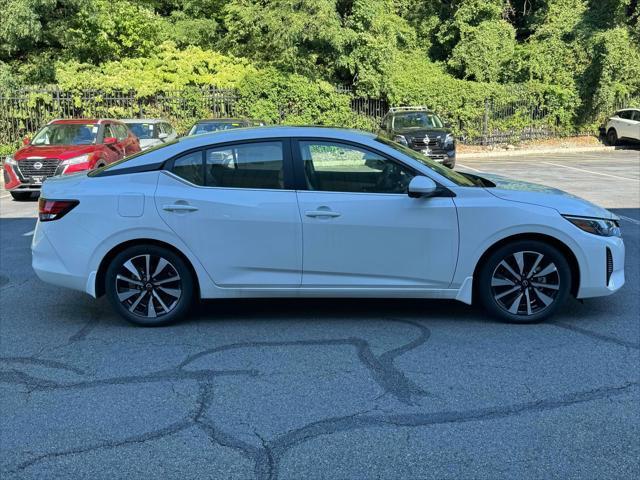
<point>420,142</point>
<point>609,265</point>
<point>48,169</point>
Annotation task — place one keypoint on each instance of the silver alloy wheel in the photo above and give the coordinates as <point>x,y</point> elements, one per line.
<point>148,286</point>
<point>525,283</point>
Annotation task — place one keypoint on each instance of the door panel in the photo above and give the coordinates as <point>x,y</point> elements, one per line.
<point>361,229</point>
<point>377,240</point>
<point>113,152</point>
<point>244,237</point>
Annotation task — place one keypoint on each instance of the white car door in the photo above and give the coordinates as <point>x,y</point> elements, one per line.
<point>361,229</point>
<point>635,125</point>
<point>230,206</point>
<point>626,127</point>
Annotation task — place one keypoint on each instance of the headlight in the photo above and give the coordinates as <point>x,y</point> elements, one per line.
<point>597,226</point>
<point>401,140</point>
<point>448,140</point>
<point>75,160</point>
<point>9,160</point>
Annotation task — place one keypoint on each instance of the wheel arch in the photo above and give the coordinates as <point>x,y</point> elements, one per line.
<point>541,237</point>
<point>110,255</point>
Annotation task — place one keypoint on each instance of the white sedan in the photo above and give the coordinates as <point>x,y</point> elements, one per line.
<point>317,212</point>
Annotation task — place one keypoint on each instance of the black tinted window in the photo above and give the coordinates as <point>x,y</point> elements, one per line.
<point>250,165</point>
<point>335,167</point>
<point>189,167</point>
<point>626,114</point>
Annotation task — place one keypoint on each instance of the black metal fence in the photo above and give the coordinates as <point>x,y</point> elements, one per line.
<point>24,111</point>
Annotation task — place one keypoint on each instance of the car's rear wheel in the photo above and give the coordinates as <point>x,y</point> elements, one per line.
<point>149,285</point>
<point>21,195</point>
<point>612,137</point>
<point>524,281</point>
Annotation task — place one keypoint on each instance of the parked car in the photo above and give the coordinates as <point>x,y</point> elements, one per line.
<point>308,212</point>
<point>217,124</point>
<point>151,132</point>
<point>623,125</point>
<point>421,130</point>
<point>66,146</point>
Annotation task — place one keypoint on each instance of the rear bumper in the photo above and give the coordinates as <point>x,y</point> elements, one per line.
<point>48,264</point>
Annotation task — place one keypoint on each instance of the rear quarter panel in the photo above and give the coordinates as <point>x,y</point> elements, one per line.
<point>112,210</point>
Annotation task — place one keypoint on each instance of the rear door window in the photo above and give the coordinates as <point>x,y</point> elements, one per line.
<point>190,167</point>
<point>249,165</point>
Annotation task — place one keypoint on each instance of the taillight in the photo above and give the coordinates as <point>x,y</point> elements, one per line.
<point>49,210</point>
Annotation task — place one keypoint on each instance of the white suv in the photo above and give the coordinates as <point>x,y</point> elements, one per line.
<point>624,124</point>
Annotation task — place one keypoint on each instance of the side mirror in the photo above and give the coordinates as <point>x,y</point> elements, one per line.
<point>421,186</point>
<point>162,136</point>
<point>26,140</point>
<point>110,140</point>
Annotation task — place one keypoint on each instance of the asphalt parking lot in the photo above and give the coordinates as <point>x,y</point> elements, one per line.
<point>346,389</point>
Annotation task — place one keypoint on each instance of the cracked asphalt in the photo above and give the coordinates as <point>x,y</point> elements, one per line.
<point>325,389</point>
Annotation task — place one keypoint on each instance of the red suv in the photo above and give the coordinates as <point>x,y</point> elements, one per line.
<point>63,147</point>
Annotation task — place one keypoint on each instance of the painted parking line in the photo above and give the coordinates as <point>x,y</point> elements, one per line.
<point>469,168</point>
<point>592,172</point>
<point>629,219</point>
<point>28,234</point>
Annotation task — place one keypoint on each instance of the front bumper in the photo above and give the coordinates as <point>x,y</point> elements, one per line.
<point>16,180</point>
<point>437,154</point>
<point>595,278</point>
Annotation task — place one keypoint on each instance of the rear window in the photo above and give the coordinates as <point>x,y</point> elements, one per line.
<point>143,131</point>
<point>209,127</point>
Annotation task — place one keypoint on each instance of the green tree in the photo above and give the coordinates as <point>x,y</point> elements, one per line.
<point>301,36</point>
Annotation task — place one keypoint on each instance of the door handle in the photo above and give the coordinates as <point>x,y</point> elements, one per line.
<point>179,208</point>
<point>321,213</point>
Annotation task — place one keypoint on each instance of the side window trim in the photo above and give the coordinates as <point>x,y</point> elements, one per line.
<point>298,162</point>
<point>287,160</point>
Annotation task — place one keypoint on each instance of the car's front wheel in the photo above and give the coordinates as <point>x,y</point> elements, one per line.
<point>149,285</point>
<point>612,137</point>
<point>524,281</point>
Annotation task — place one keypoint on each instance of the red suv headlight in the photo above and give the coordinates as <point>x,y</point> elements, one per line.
<point>49,210</point>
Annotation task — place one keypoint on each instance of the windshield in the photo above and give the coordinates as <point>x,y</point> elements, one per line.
<point>213,127</point>
<point>143,131</point>
<point>416,120</point>
<point>456,177</point>
<point>66,134</point>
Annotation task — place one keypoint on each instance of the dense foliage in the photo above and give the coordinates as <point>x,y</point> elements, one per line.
<point>574,58</point>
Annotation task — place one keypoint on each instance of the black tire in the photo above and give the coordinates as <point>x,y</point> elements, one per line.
<point>155,289</point>
<point>612,137</point>
<point>20,196</point>
<point>537,296</point>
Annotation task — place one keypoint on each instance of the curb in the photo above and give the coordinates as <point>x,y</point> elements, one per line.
<point>515,153</point>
